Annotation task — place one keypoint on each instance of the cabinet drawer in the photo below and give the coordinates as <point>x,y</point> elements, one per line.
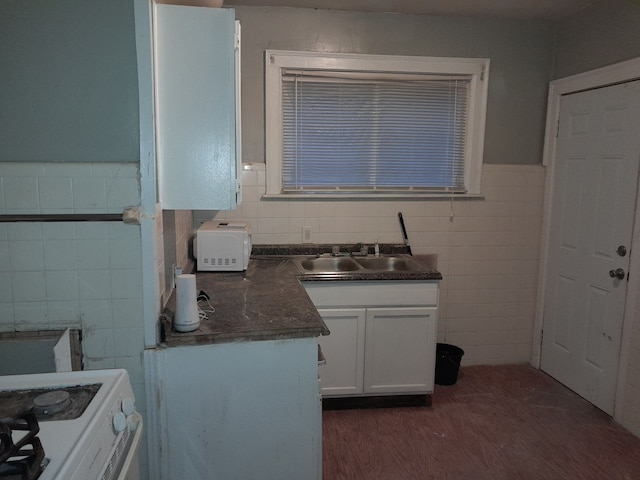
<point>372,293</point>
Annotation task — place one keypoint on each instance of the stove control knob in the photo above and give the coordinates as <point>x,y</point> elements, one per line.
<point>119,422</point>
<point>128,406</point>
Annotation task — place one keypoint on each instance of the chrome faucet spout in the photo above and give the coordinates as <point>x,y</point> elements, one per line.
<point>359,249</point>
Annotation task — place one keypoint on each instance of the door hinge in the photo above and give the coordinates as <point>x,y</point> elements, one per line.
<point>558,128</point>
<point>237,35</point>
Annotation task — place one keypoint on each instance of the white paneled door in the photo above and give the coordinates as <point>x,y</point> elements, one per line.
<point>594,194</point>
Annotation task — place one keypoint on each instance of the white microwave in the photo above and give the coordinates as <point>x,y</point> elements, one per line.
<point>222,246</point>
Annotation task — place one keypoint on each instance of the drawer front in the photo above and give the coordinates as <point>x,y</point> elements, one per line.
<point>372,293</point>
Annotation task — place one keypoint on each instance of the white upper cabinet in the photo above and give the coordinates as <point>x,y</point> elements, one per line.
<point>197,95</point>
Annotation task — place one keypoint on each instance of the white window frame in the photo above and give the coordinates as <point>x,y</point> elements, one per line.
<point>277,60</point>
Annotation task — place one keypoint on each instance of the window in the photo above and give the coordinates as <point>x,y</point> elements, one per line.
<point>369,125</point>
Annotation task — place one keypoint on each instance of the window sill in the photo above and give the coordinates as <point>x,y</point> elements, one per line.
<point>373,196</point>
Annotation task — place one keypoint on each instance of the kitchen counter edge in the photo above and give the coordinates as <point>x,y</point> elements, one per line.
<point>265,302</point>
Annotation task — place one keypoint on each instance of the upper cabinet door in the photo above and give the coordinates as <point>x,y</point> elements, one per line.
<point>197,94</point>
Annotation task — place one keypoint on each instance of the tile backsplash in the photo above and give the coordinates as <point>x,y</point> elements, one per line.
<point>67,187</point>
<point>85,275</point>
<point>488,249</point>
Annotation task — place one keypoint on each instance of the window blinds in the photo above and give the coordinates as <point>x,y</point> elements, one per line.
<point>373,132</point>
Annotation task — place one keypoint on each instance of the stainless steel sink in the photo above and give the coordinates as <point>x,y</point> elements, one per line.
<point>328,265</point>
<point>389,264</point>
<point>336,265</point>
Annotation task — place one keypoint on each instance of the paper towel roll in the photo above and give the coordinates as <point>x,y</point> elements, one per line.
<point>187,318</point>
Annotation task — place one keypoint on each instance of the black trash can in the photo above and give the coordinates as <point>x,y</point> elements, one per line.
<point>447,363</point>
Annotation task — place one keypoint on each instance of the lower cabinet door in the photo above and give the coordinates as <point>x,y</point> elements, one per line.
<point>400,350</point>
<point>343,350</point>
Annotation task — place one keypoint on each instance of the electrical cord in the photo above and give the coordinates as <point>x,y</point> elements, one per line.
<point>203,312</point>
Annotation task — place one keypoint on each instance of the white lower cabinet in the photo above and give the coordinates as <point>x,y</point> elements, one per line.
<point>383,346</point>
<point>343,374</point>
<point>398,352</point>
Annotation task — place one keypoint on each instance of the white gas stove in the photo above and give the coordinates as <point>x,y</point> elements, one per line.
<point>88,426</point>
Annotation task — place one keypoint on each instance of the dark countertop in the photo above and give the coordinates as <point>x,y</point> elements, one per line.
<point>267,302</point>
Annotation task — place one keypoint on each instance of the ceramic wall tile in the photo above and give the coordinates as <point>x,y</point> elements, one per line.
<point>74,274</point>
<point>56,193</point>
<point>488,249</point>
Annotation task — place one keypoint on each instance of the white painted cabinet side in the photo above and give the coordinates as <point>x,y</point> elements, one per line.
<point>237,410</point>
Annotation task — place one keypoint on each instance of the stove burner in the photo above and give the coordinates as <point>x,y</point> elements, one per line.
<point>17,460</point>
<point>48,403</point>
<point>52,402</point>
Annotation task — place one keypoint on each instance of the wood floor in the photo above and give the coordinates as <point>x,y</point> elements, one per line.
<point>498,423</point>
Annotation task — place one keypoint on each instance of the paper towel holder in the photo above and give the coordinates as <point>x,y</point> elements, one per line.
<point>187,318</point>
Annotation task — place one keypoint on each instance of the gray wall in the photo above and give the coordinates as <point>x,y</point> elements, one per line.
<point>19,357</point>
<point>603,34</point>
<point>520,53</point>
<point>68,81</point>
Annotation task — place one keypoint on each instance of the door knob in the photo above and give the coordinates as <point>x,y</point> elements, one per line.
<point>617,273</point>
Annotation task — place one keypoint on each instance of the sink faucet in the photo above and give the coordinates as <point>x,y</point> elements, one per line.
<point>335,252</point>
<point>359,249</point>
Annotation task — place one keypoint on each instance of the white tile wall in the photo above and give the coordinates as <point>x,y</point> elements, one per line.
<point>183,224</point>
<point>184,234</point>
<point>67,187</point>
<point>488,249</point>
<point>74,274</point>
<point>48,271</point>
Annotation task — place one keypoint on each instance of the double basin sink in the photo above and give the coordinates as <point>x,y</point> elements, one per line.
<point>324,265</point>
